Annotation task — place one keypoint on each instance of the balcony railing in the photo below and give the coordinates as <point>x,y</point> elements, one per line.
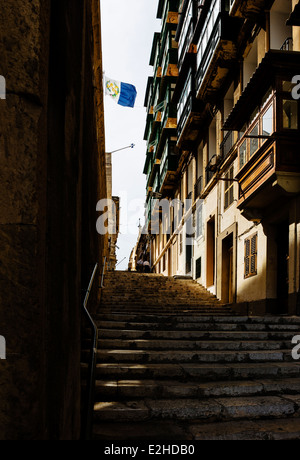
<point>211,168</point>
<point>227,145</point>
<point>198,187</point>
<point>287,45</point>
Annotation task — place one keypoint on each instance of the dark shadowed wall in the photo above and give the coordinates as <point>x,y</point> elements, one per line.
<point>51,177</point>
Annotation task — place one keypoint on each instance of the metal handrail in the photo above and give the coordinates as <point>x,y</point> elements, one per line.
<point>103,272</point>
<point>88,419</point>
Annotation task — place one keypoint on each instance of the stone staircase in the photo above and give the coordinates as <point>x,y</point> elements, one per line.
<point>175,364</point>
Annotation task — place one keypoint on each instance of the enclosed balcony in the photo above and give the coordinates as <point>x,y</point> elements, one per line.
<point>156,182</point>
<point>168,166</point>
<point>186,30</point>
<point>169,109</point>
<point>168,11</point>
<point>168,52</point>
<point>189,114</point>
<point>268,119</point>
<point>148,127</point>
<point>216,51</point>
<point>148,102</point>
<point>151,171</point>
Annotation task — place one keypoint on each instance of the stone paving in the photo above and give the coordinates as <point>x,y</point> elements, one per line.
<point>188,368</point>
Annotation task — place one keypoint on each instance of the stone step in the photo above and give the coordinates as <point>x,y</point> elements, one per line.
<point>183,356</point>
<point>131,334</point>
<point>240,345</point>
<point>200,326</point>
<point>257,430</point>
<point>204,410</point>
<point>156,389</point>
<point>204,372</point>
<point>157,292</point>
<point>173,361</point>
<point>160,307</point>
<point>293,320</point>
<point>254,430</point>
<point>199,312</point>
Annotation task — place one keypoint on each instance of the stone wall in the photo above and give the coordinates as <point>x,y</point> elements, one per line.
<point>51,177</point>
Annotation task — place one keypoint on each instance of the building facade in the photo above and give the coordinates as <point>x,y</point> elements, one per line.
<point>52,173</point>
<point>223,136</point>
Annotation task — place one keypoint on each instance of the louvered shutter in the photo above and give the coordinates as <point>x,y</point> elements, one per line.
<point>253,257</point>
<point>247,258</point>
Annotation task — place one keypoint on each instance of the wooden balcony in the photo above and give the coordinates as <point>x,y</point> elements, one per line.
<point>268,119</point>
<point>272,174</point>
<point>190,118</point>
<point>168,167</point>
<point>217,57</point>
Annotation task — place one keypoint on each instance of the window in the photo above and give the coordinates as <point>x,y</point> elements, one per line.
<point>229,188</point>
<point>198,268</point>
<point>184,96</point>
<point>251,256</point>
<point>267,122</point>
<point>190,230</point>
<point>187,30</point>
<point>254,139</point>
<point>290,106</point>
<point>259,128</point>
<point>199,224</point>
<point>212,17</point>
<point>243,153</point>
<point>290,114</point>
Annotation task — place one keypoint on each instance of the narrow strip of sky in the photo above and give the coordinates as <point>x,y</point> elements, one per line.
<point>127,33</point>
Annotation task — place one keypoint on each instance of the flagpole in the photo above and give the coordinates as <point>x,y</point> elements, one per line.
<point>124,148</point>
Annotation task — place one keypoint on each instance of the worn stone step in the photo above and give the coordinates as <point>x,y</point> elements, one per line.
<point>239,345</point>
<point>123,317</point>
<point>204,372</point>
<point>161,309</point>
<point>171,312</point>
<point>200,326</point>
<point>184,356</point>
<point>140,431</point>
<point>129,334</point>
<point>254,430</point>
<point>242,430</point>
<point>113,390</point>
<point>206,410</point>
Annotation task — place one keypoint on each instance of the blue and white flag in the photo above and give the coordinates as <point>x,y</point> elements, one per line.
<point>123,93</point>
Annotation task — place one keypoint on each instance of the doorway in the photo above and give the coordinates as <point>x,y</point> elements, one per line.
<point>227,269</point>
<point>282,241</point>
<point>189,258</point>
<point>210,251</point>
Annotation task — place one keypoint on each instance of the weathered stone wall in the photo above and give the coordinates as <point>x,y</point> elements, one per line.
<point>51,145</point>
